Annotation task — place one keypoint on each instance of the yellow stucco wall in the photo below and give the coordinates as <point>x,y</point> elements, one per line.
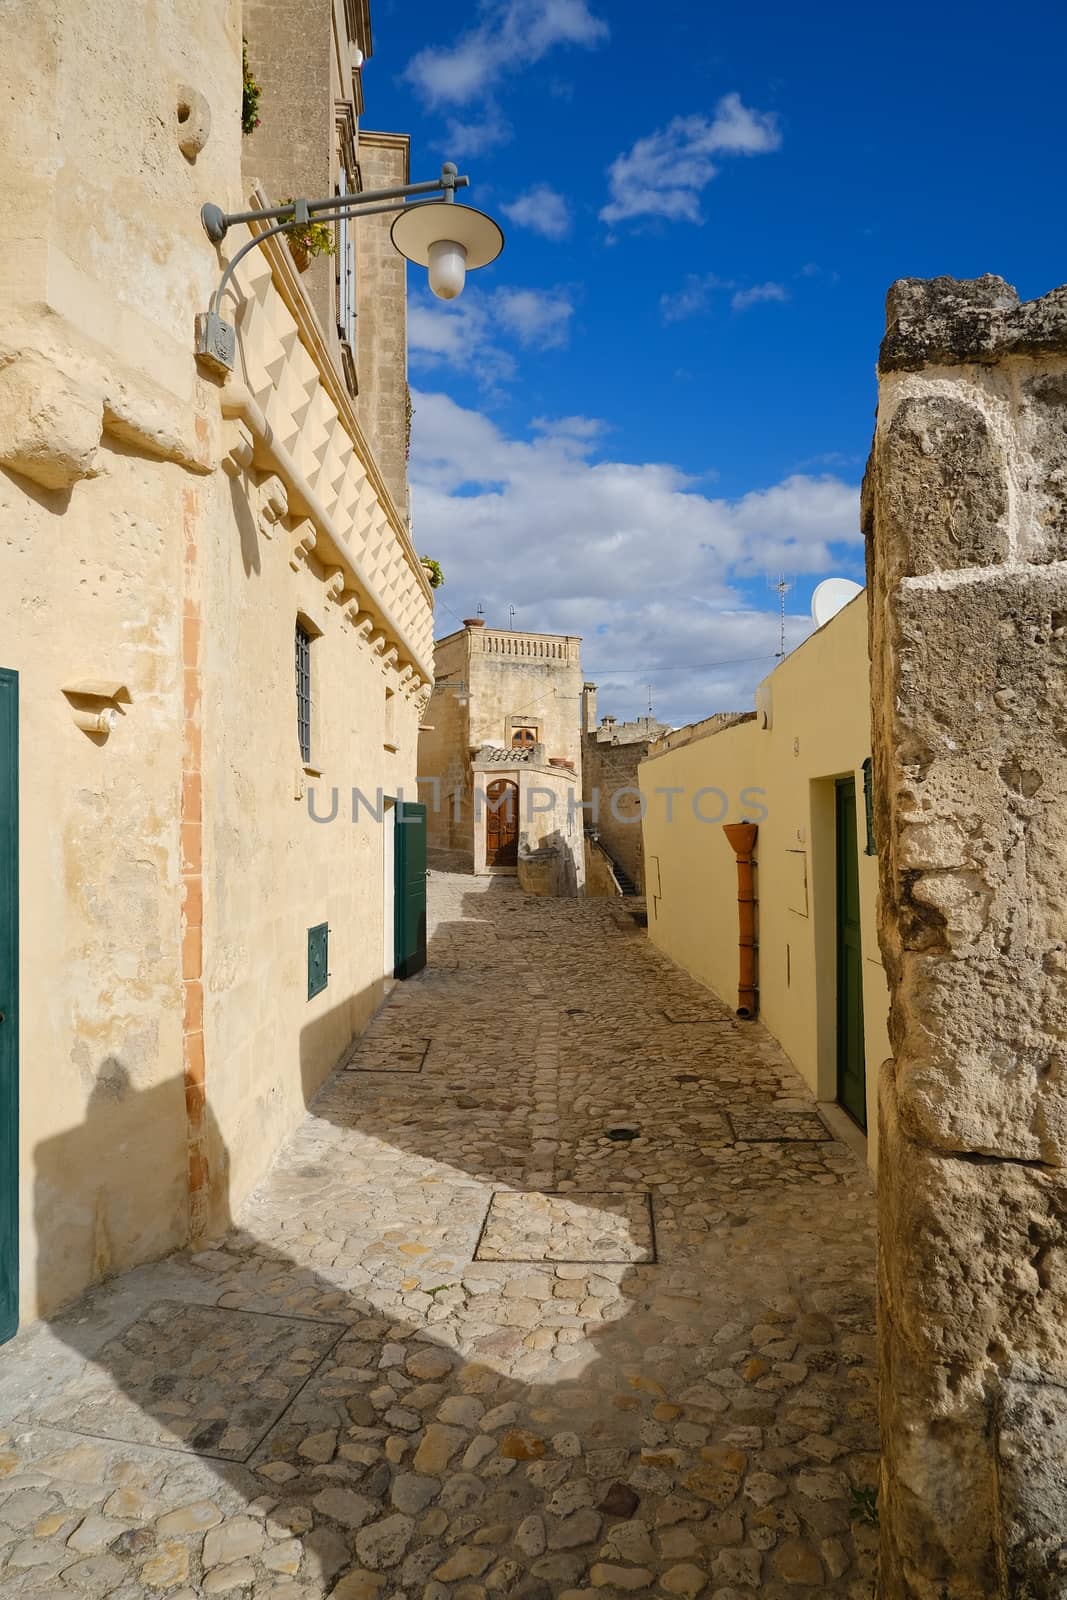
<point>783,778</point>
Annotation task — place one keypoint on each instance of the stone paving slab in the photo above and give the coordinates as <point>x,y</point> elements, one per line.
<point>378,1054</point>
<point>590,1228</point>
<point>701,1424</point>
<point>192,1377</point>
<point>758,1125</point>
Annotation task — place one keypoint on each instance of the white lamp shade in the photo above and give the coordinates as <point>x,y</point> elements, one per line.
<point>448,268</point>
<point>421,226</point>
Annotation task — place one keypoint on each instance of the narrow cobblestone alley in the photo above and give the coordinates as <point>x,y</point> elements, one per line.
<point>463,1343</point>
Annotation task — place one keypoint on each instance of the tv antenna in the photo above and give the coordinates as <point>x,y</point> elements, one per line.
<point>511,618</point>
<point>480,610</point>
<point>783,585</point>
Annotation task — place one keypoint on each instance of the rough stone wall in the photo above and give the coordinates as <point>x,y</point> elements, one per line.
<point>610,771</point>
<point>381,326</point>
<point>966,517</point>
<point>291,44</point>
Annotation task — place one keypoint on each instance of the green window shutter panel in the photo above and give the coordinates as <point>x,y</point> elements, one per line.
<point>409,898</point>
<point>318,958</point>
<point>870,848</point>
<point>9,997</point>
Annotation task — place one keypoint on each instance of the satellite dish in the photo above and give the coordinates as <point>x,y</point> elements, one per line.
<point>831,596</point>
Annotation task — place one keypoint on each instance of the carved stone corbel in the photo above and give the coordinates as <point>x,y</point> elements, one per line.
<point>334,583</point>
<point>364,623</point>
<point>240,449</point>
<point>304,538</point>
<point>273,498</point>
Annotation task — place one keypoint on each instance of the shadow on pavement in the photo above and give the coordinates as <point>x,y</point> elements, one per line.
<point>371,1386</point>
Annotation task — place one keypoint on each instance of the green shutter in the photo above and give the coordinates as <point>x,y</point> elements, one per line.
<point>318,958</point>
<point>870,848</point>
<point>9,998</point>
<point>409,898</point>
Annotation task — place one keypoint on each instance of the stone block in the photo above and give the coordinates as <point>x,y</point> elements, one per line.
<point>49,423</point>
<point>944,491</point>
<point>973,1291</point>
<point>949,321</point>
<point>951,696</point>
<point>973,1262</point>
<point>1043,450</point>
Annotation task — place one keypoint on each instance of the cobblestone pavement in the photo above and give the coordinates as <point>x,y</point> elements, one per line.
<point>465,1343</point>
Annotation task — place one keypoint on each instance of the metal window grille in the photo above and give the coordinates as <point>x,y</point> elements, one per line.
<point>303,691</point>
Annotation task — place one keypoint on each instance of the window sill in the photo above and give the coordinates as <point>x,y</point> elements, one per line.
<point>392,748</point>
<point>313,772</point>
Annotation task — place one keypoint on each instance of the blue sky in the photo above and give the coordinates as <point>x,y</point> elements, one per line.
<point>662,394</point>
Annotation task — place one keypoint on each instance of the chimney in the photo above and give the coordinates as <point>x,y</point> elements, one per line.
<point>588,707</point>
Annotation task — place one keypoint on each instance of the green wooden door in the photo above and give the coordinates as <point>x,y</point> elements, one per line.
<point>851,1070</point>
<point>9,996</point>
<point>409,898</point>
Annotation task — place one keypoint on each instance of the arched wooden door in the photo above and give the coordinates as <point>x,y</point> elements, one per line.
<point>502,823</point>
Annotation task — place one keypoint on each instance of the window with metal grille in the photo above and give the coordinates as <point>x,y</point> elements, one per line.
<point>303,690</point>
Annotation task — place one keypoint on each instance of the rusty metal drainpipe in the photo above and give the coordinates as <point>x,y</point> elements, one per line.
<point>742,840</point>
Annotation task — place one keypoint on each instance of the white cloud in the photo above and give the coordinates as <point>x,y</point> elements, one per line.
<point>664,174</point>
<point>693,298</point>
<point>696,294</point>
<point>630,555</point>
<point>473,138</point>
<point>512,34</point>
<point>758,293</point>
<point>543,210</point>
<point>536,317</point>
<point>470,334</point>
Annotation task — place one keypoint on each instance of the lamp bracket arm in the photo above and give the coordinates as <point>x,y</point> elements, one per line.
<point>217,222</point>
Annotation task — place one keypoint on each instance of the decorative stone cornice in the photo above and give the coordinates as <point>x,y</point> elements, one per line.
<point>288,283</point>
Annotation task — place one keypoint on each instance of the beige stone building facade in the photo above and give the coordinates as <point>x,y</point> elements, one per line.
<point>500,753</point>
<point>213,618</point>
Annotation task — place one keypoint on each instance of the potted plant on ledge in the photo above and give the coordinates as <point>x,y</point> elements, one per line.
<point>435,577</point>
<point>307,239</point>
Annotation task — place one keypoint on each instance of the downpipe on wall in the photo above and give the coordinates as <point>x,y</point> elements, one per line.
<point>741,837</point>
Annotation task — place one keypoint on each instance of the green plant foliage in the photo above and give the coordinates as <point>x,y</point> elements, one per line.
<point>250,94</point>
<point>864,1507</point>
<point>310,238</point>
<point>433,571</point>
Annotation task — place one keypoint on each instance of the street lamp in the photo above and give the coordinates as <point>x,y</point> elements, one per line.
<point>447,238</point>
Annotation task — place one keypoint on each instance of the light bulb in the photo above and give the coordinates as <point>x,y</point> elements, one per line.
<point>448,268</point>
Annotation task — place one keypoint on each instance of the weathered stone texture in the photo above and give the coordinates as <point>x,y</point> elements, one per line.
<point>948,496</point>
<point>964,502</point>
